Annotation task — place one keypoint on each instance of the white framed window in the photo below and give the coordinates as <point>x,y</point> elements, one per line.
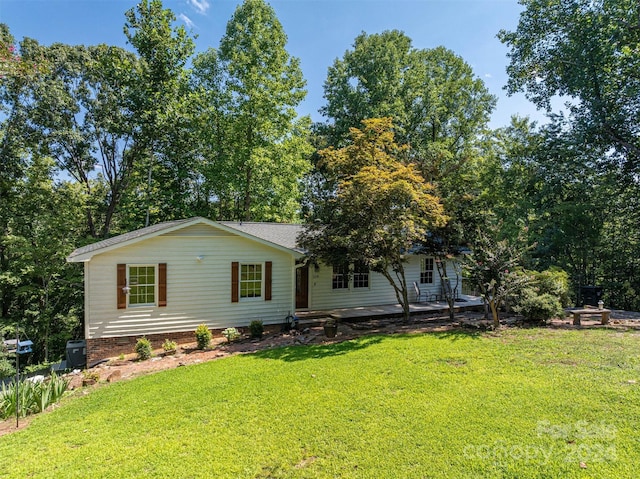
<point>426,270</point>
<point>251,279</point>
<point>360,276</point>
<point>142,283</point>
<point>340,278</point>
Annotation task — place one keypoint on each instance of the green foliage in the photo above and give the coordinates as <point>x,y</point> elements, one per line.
<point>169,345</point>
<point>436,103</point>
<point>585,52</point>
<point>494,268</point>
<point>542,295</point>
<point>33,397</point>
<point>159,99</point>
<point>232,334</point>
<point>440,110</point>
<point>33,368</point>
<point>554,282</point>
<point>256,328</point>
<point>143,349</point>
<point>39,223</point>
<point>255,148</point>
<point>538,307</point>
<point>6,367</point>
<point>381,207</point>
<point>91,374</point>
<point>203,336</point>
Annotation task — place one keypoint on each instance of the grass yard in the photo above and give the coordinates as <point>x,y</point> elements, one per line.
<point>530,403</point>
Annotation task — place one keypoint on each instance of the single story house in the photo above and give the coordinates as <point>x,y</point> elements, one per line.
<point>164,280</point>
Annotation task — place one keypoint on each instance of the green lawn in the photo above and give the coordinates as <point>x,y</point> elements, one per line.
<point>521,404</point>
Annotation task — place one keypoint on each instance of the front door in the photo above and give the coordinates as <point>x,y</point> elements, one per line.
<point>302,287</point>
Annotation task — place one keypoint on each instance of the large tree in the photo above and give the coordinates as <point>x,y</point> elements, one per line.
<point>158,97</point>
<point>586,53</point>
<point>440,110</point>
<point>45,297</point>
<point>261,152</point>
<point>77,112</point>
<point>439,107</point>
<point>380,209</point>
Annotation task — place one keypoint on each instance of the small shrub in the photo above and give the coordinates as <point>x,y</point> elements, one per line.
<point>256,328</point>
<point>231,334</point>
<point>6,367</point>
<point>538,307</point>
<point>144,349</point>
<point>40,367</point>
<point>169,345</point>
<point>554,281</point>
<point>203,336</point>
<point>92,375</point>
<point>121,357</point>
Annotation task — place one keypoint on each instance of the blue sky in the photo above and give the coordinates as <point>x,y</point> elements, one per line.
<point>319,31</point>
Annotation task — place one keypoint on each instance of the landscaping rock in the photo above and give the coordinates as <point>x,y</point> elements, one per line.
<point>118,362</point>
<point>116,375</point>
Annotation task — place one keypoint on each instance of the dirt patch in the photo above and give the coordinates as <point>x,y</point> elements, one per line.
<point>128,368</point>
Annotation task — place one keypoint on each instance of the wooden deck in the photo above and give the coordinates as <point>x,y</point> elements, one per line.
<point>388,310</point>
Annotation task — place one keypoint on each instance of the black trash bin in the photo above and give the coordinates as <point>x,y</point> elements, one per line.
<point>590,295</point>
<point>76,354</point>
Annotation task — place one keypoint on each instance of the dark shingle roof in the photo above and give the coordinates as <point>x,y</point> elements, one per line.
<point>282,234</point>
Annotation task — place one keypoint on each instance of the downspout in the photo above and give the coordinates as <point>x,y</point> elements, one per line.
<point>87,299</point>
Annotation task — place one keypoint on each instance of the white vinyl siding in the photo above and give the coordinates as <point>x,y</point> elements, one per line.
<point>322,296</point>
<point>198,291</point>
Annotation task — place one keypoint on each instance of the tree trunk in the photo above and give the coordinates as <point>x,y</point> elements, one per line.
<point>400,291</point>
<point>406,312</point>
<point>441,266</point>
<point>494,313</point>
<point>246,214</point>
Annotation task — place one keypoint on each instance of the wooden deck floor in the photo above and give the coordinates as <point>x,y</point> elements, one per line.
<point>389,310</point>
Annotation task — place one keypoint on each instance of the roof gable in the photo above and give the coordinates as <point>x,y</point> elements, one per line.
<point>278,235</point>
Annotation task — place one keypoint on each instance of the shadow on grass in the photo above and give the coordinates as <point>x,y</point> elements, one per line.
<point>303,352</point>
<point>458,334</point>
<point>450,334</point>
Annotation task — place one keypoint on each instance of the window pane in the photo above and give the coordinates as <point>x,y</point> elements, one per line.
<point>360,276</point>
<point>142,281</point>
<point>340,278</point>
<point>250,280</point>
<point>426,270</point>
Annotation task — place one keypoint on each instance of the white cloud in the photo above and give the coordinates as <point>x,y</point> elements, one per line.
<point>201,6</point>
<point>488,75</point>
<point>187,21</point>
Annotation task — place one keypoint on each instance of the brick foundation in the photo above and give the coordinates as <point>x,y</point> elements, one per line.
<point>99,349</point>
